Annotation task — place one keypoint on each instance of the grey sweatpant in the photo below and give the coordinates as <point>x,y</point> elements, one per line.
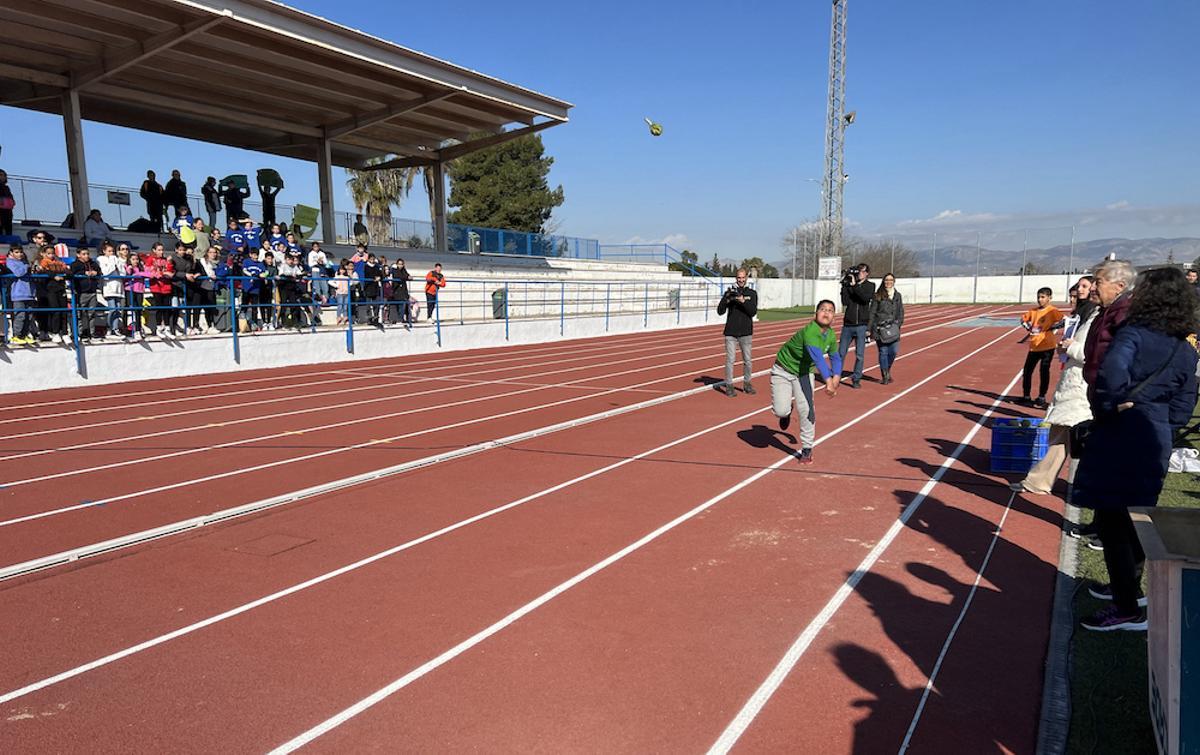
<point>787,389</point>
<point>731,345</point>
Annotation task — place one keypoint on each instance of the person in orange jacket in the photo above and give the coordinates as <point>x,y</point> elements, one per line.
<point>433,281</point>
<point>1042,323</point>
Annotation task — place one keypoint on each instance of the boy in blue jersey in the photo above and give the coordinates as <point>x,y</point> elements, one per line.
<point>791,375</point>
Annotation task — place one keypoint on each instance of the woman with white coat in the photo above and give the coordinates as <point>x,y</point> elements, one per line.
<point>1069,406</point>
<point>114,266</point>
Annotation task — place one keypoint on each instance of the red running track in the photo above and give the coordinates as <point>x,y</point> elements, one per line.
<point>658,650</point>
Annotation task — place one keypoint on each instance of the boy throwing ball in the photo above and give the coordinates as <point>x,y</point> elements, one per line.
<point>791,375</point>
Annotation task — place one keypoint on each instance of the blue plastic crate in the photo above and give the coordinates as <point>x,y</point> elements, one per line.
<point>1018,444</point>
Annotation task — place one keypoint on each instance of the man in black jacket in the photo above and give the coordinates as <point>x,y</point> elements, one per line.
<point>858,295</point>
<point>741,304</point>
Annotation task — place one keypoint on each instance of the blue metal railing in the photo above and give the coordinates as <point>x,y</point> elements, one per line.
<point>236,306</point>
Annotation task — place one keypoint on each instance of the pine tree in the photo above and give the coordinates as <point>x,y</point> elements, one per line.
<point>504,186</point>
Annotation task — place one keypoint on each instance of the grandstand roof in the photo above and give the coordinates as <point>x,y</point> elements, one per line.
<point>253,74</point>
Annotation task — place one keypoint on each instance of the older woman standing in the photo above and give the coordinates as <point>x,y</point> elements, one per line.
<point>1145,390</point>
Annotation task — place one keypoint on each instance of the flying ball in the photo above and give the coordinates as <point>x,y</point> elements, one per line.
<point>655,128</point>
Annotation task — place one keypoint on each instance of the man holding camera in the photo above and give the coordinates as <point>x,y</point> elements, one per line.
<point>858,295</point>
<point>740,303</point>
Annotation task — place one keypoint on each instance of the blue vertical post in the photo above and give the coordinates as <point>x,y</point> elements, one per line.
<point>349,318</point>
<point>646,307</point>
<point>437,324</point>
<point>506,311</point>
<point>4,312</point>
<point>500,241</point>
<point>461,291</point>
<point>233,320</point>
<point>607,299</point>
<point>562,308</point>
<point>72,311</point>
<point>678,304</point>
<point>529,244</point>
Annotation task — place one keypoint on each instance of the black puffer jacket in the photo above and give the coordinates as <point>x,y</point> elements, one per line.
<point>856,303</point>
<point>741,314</point>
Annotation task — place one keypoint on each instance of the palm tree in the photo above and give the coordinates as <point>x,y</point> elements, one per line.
<point>375,192</point>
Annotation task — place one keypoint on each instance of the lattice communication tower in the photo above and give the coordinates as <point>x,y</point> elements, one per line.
<point>835,133</point>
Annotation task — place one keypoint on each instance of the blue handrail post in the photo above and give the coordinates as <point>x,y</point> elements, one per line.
<point>506,310</point>
<point>72,312</point>
<point>437,324</point>
<point>500,241</point>
<point>349,318</point>
<point>678,304</point>
<point>460,305</point>
<point>4,313</point>
<point>233,320</point>
<point>607,299</point>
<point>646,307</point>
<point>562,308</point>
<point>529,245</point>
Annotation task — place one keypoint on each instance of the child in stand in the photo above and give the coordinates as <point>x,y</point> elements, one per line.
<point>1042,321</point>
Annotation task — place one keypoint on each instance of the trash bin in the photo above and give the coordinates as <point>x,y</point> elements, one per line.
<point>499,303</point>
<point>1171,539</point>
<point>473,242</point>
<point>673,299</point>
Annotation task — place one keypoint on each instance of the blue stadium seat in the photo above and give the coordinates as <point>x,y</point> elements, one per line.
<point>11,240</point>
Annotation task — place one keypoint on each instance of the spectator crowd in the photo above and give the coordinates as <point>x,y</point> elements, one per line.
<point>249,276</point>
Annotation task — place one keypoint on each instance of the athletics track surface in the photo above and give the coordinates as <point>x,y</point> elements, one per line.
<point>666,579</point>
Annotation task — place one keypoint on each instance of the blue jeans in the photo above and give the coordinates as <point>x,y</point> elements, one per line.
<point>857,334</point>
<point>887,354</point>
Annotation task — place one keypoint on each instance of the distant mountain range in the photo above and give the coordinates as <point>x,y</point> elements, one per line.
<point>960,260</point>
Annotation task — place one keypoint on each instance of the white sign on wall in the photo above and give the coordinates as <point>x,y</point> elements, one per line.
<point>829,268</point>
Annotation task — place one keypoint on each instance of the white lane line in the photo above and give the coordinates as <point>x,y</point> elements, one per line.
<point>326,427</point>
<point>339,449</point>
<point>204,390</point>
<point>912,727</point>
<point>737,727</point>
<point>155,533</point>
<point>406,370</point>
<point>449,655</point>
<point>311,409</point>
<point>237,611</point>
<point>407,374</point>
<point>182,631</point>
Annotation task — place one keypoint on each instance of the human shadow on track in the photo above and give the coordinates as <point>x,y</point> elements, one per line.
<point>977,697</point>
<point>882,729</point>
<point>717,384</point>
<point>974,480</point>
<point>761,436</point>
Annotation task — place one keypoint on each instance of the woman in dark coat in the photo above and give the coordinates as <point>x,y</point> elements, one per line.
<point>886,310</point>
<point>1145,391</point>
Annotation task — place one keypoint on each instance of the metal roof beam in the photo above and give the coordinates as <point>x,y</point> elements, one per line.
<point>282,125</point>
<point>146,48</point>
<point>359,122</point>
<point>458,150</point>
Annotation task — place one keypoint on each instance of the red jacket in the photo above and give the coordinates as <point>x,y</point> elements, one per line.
<point>164,272</point>
<point>1101,336</point>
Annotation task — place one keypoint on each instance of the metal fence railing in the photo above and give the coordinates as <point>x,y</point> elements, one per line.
<point>48,202</point>
<point>73,311</point>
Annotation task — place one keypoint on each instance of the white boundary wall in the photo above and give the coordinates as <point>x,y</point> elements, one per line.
<point>117,362</point>
<point>997,289</point>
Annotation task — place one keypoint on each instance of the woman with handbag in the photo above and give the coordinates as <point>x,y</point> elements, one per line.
<point>887,316</point>
<point>1145,390</point>
<point>1069,414</point>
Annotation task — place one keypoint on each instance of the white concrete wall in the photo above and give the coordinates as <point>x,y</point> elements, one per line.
<point>107,363</point>
<point>999,289</point>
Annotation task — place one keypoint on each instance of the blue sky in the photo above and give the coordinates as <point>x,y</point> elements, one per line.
<point>972,115</point>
